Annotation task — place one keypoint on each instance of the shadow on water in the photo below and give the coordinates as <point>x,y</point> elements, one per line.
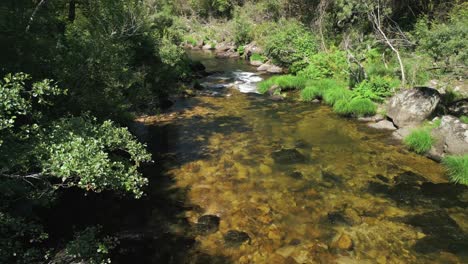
<point>152,229</point>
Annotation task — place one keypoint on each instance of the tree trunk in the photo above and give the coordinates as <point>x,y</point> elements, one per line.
<point>71,10</point>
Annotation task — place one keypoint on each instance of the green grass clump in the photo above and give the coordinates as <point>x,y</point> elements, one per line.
<point>257,57</point>
<point>419,140</point>
<point>285,82</point>
<point>457,168</point>
<point>464,119</point>
<point>310,93</point>
<point>356,107</point>
<point>333,95</point>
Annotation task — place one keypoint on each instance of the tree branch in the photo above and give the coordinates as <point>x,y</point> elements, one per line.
<point>33,15</point>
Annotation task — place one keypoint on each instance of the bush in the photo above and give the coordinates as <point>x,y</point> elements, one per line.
<point>242,28</point>
<point>310,93</point>
<point>419,140</point>
<point>289,44</point>
<point>285,82</point>
<point>457,168</point>
<point>356,107</point>
<point>332,64</point>
<point>376,88</point>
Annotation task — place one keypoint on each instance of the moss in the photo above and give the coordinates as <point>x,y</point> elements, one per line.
<point>285,82</point>
<point>457,168</point>
<point>419,140</point>
<point>464,119</point>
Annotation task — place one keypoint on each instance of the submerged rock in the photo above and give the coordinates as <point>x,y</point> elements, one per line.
<point>288,156</point>
<point>384,124</point>
<point>411,107</point>
<point>207,224</point>
<point>344,242</point>
<point>296,175</point>
<point>234,238</point>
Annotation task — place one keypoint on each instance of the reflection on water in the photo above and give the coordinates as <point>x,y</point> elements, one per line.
<point>287,182</point>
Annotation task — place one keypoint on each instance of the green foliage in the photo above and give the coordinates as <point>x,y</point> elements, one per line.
<point>90,247</point>
<point>333,95</point>
<point>310,93</point>
<point>242,28</point>
<point>290,44</point>
<point>332,64</point>
<point>457,168</point>
<point>464,119</point>
<point>445,40</point>
<point>258,57</point>
<point>419,140</point>
<point>208,8</point>
<point>285,82</point>
<point>241,50</point>
<point>376,88</point>
<point>356,107</point>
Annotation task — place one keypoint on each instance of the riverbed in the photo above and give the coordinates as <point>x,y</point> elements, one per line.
<point>263,181</point>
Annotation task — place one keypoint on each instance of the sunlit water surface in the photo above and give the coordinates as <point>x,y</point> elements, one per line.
<point>296,178</point>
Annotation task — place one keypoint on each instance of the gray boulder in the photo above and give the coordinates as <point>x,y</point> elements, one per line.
<point>384,124</point>
<point>411,107</point>
<point>268,67</point>
<point>451,138</point>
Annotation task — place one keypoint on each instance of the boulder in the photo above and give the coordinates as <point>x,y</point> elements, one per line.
<point>288,156</point>
<point>223,46</point>
<point>411,107</point>
<point>268,67</point>
<point>451,137</point>
<point>384,124</point>
<point>256,63</point>
<point>208,46</point>
<point>459,108</point>
<point>252,48</point>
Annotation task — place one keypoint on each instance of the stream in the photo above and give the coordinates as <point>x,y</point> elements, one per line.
<point>239,178</point>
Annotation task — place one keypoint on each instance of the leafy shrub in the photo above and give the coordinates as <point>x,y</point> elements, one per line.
<point>190,40</point>
<point>355,107</point>
<point>445,40</point>
<point>242,28</point>
<point>376,89</point>
<point>419,140</point>
<point>289,44</point>
<point>331,64</point>
<point>241,50</point>
<point>285,82</point>
<point>457,168</point>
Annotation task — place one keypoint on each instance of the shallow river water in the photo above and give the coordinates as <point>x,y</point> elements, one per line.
<point>260,181</point>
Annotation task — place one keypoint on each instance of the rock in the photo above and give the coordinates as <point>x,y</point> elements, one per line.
<point>344,242</point>
<point>268,67</point>
<point>274,90</point>
<point>375,118</point>
<point>459,107</point>
<point>288,156</point>
<point>227,54</point>
<point>348,216</point>
<point>209,46</point>
<point>331,178</point>
<point>252,48</point>
<point>452,137</point>
<point>223,46</point>
<point>411,107</point>
<point>316,101</point>
<point>256,63</point>
<point>234,238</point>
<point>207,224</point>
<point>384,124</point>
<point>296,175</point>
<point>401,133</point>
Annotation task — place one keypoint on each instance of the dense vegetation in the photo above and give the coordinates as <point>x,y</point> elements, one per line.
<point>75,72</point>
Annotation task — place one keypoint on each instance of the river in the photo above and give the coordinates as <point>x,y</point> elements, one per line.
<point>240,178</point>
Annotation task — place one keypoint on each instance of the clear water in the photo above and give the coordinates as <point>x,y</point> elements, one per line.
<point>223,157</point>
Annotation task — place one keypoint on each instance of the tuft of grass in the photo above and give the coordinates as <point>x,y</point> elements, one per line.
<point>310,93</point>
<point>464,119</point>
<point>257,57</point>
<point>419,140</point>
<point>457,168</point>
<point>362,107</point>
<point>356,107</point>
<point>285,82</point>
<point>333,95</point>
